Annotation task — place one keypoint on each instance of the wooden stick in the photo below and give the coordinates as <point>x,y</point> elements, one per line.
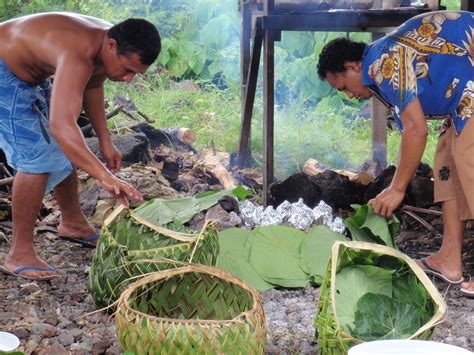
<point>421,210</point>
<point>146,117</point>
<point>423,222</point>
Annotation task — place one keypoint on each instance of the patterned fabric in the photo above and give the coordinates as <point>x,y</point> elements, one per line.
<point>430,57</point>
<point>24,129</point>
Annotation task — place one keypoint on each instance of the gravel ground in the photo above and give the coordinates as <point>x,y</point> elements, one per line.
<point>54,317</point>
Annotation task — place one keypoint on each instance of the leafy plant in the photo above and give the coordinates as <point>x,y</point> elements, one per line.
<point>364,225</point>
<point>381,317</point>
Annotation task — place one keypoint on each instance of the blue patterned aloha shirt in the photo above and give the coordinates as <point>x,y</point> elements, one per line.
<point>429,57</point>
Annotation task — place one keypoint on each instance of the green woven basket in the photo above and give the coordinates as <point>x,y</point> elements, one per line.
<point>128,243</point>
<point>193,309</point>
<point>330,334</point>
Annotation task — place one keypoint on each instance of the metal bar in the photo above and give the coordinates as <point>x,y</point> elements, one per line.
<point>252,77</point>
<point>344,20</point>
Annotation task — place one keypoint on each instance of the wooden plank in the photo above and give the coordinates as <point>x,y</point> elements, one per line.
<point>244,150</point>
<point>379,125</point>
<point>339,20</point>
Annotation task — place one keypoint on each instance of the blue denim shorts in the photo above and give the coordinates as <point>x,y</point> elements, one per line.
<point>24,129</point>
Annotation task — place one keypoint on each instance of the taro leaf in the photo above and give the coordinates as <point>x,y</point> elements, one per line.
<point>316,250</point>
<point>407,289</point>
<point>232,258</point>
<point>366,226</point>
<point>355,281</point>
<point>381,317</point>
<point>179,211</point>
<point>274,254</point>
<point>161,212</point>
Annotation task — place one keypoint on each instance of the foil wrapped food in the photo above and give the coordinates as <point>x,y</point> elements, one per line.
<point>297,215</point>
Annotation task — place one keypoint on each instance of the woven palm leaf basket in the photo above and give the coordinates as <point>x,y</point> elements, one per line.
<point>393,279</point>
<point>127,241</point>
<point>192,309</point>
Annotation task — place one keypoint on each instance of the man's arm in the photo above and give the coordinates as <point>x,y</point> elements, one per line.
<point>412,146</point>
<point>94,106</point>
<point>71,78</point>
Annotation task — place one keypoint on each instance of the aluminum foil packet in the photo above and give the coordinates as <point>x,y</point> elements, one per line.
<point>322,213</point>
<point>301,216</point>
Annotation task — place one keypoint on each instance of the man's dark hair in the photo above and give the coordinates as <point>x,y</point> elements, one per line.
<point>137,36</point>
<point>338,52</point>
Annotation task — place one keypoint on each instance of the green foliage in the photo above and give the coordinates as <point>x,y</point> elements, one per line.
<point>378,296</point>
<point>451,4</point>
<point>365,226</point>
<point>381,317</point>
<point>276,255</point>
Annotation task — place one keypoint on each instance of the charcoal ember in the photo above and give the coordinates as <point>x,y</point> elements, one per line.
<point>296,186</point>
<point>229,203</point>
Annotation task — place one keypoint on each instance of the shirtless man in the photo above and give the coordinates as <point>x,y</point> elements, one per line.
<point>38,129</point>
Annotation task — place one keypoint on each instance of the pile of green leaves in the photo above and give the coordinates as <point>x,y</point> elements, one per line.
<point>379,297</point>
<point>276,255</point>
<point>177,212</point>
<point>365,226</point>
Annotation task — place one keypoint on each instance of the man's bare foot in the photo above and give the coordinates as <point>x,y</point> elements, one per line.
<point>76,231</point>
<point>451,269</point>
<point>28,266</point>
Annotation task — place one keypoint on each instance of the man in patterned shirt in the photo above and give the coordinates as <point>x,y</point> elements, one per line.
<point>423,69</point>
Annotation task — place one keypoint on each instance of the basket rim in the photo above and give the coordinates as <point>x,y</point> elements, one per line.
<point>190,267</point>
<point>183,237</point>
<point>437,318</point>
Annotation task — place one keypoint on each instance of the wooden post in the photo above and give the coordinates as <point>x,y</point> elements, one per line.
<point>245,34</point>
<point>467,5</point>
<point>249,96</point>
<point>379,126</point>
<point>268,103</point>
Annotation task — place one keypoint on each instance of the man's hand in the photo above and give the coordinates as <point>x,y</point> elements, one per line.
<point>387,201</point>
<point>121,189</point>
<point>112,157</point>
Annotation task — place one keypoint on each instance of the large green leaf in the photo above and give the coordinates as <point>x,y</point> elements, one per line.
<point>355,281</point>
<point>316,250</point>
<point>179,211</point>
<point>381,317</point>
<point>274,254</point>
<point>408,289</point>
<point>231,258</point>
<point>364,225</point>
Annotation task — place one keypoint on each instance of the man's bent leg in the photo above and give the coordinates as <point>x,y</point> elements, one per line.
<point>27,196</point>
<point>73,221</point>
<point>447,259</point>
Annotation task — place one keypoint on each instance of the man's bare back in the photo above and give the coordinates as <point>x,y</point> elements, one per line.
<point>32,45</point>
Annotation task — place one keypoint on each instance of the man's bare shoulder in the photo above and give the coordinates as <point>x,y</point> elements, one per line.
<point>38,42</point>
